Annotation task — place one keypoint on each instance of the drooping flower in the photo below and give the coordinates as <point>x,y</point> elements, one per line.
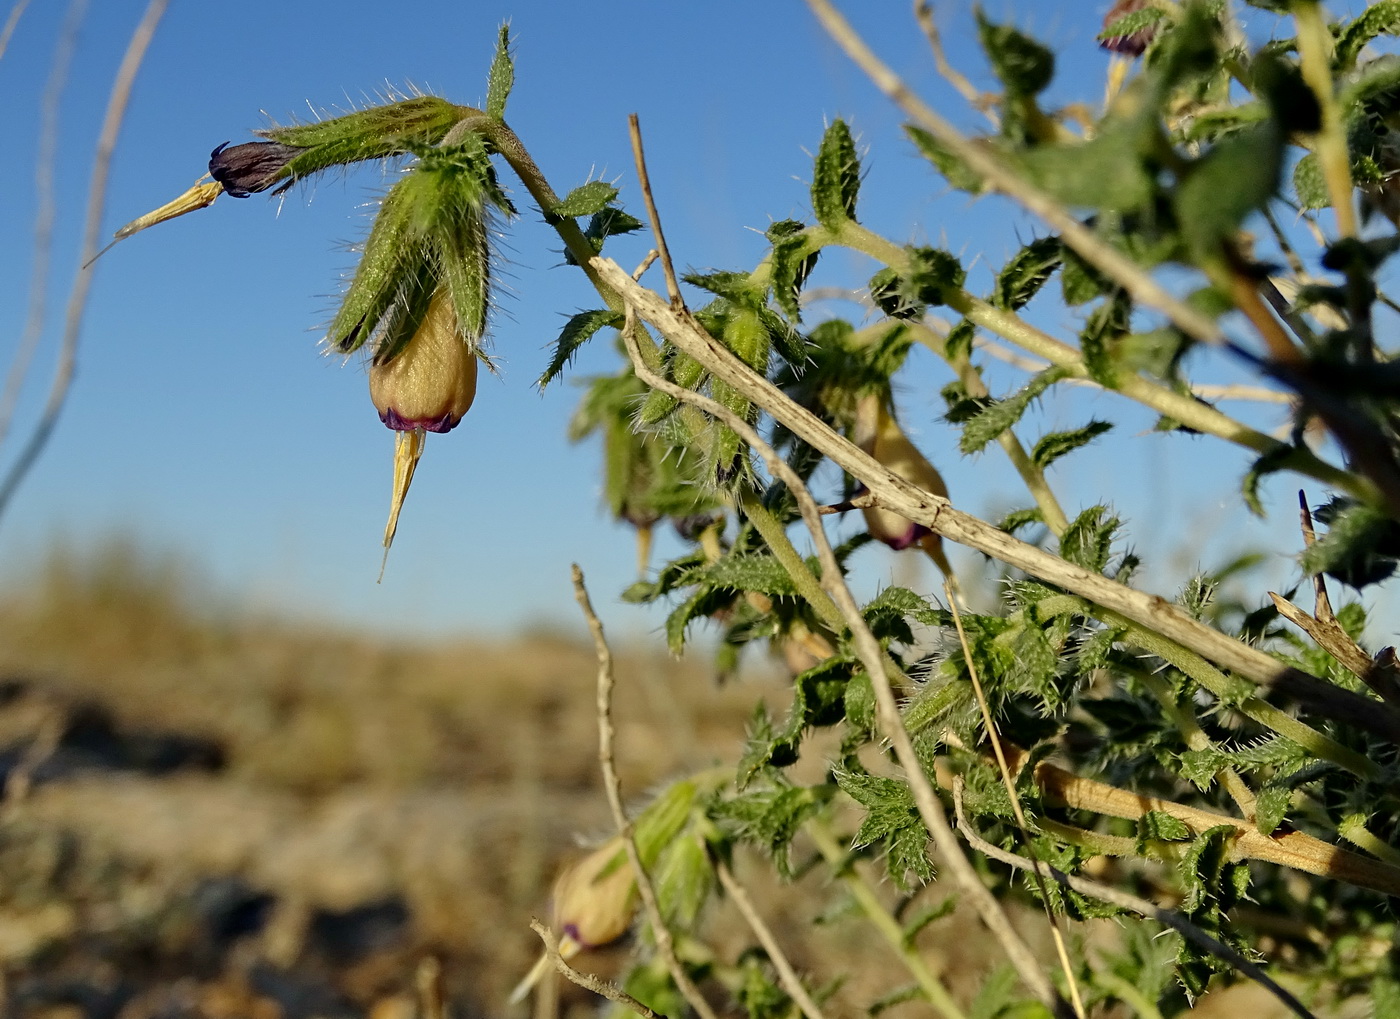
<point>431,383</point>
<point>878,433</point>
<point>594,899</point>
<point>246,169</point>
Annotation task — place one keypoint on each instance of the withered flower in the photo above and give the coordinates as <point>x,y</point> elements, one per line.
<point>594,899</point>
<point>251,167</point>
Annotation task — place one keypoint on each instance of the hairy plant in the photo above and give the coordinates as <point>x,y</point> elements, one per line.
<point>1196,769</point>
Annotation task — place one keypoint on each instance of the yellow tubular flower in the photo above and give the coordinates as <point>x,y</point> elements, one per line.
<point>431,384</point>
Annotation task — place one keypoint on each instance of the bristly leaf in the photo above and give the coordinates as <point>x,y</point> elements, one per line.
<point>1381,18</point>
<point>1023,65</point>
<point>501,78</point>
<point>1133,21</point>
<point>1088,541</point>
<point>999,415</point>
<point>1107,324</point>
<point>1057,444</point>
<point>769,818</point>
<point>836,177</point>
<point>791,264</point>
<point>1022,277</point>
<point>586,200</point>
<point>1360,547</point>
<point>892,820</point>
<point>957,173</point>
<point>1270,463</point>
<point>576,332</point>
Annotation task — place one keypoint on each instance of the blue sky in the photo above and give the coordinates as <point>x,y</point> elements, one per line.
<point>205,421</point>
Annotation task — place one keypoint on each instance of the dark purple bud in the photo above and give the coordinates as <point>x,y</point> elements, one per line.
<point>1135,43</point>
<point>250,167</point>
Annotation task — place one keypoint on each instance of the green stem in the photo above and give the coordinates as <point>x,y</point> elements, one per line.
<point>1314,56</point>
<point>775,535</point>
<point>1215,681</point>
<point>1363,838</point>
<point>881,919</point>
<point>1189,411</point>
<point>1127,993</point>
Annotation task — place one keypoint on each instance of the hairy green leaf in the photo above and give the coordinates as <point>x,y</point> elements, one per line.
<point>1380,18</point>
<point>575,333</point>
<point>1057,444</point>
<point>586,200</point>
<point>999,415</point>
<point>836,177</point>
<point>1023,65</point>
<point>1022,277</point>
<point>501,77</point>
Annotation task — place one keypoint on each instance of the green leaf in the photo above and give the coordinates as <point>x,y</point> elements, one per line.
<point>1161,827</point>
<point>501,77</point>
<point>1271,805</point>
<point>1109,172</point>
<point>750,571</point>
<point>1057,444</point>
<point>999,415</point>
<point>957,173</point>
<point>1098,342</point>
<point>1309,184</point>
<point>891,820</point>
<point>1088,541</point>
<point>1359,548</point>
<point>1270,463</point>
<point>769,818</point>
<point>1023,65</point>
<point>1080,282</point>
<point>576,332</point>
<point>791,263</point>
<point>1022,277</point>
<point>1380,18</point>
<point>1236,177</point>
<point>1385,996</point>
<point>836,177</point>
<point>586,200</point>
<point>1017,519</point>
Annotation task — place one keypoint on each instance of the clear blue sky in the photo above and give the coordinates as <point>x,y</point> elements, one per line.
<point>205,421</point>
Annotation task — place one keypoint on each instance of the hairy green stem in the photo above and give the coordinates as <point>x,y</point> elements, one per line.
<point>775,535</point>
<point>881,919</point>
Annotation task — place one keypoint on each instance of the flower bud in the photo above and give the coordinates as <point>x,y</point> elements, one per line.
<point>1134,44</point>
<point>878,433</point>
<point>251,167</point>
<point>594,899</point>
<point>431,383</point>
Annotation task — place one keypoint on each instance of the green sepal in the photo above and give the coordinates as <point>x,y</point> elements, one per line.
<point>501,78</point>
<point>394,255</point>
<point>836,177</point>
<point>374,133</point>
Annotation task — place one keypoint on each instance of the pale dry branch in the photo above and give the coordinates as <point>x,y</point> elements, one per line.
<point>787,976</point>
<point>588,981</point>
<point>1009,783</point>
<point>893,492</point>
<point>868,648</point>
<point>117,103</point>
<point>1124,900</point>
<point>1093,249</point>
<point>46,208</point>
<point>665,946</point>
<point>11,23</point>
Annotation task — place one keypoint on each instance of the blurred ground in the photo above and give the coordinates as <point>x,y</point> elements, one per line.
<point>208,816</point>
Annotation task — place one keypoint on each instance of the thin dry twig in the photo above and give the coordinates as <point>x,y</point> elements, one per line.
<point>431,999</point>
<point>923,13</point>
<point>673,290</point>
<point>11,23</point>
<point>46,210</point>
<point>117,103</point>
<point>588,981</point>
<point>1009,783</point>
<point>1124,900</point>
<point>938,514</point>
<point>787,976</point>
<point>1092,248</point>
<point>637,299</point>
<point>613,786</point>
